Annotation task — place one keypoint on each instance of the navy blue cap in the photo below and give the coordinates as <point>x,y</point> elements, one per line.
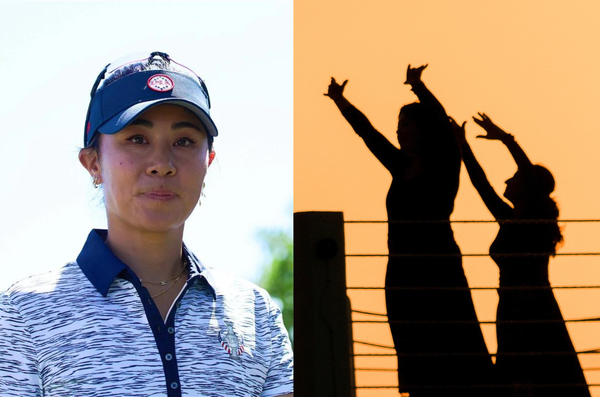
<point>113,106</point>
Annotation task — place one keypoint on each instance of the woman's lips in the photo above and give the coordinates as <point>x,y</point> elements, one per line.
<point>161,195</point>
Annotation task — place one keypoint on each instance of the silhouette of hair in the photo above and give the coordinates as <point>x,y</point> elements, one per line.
<point>542,180</point>
<point>414,110</point>
<point>539,205</point>
<point>425,121</point>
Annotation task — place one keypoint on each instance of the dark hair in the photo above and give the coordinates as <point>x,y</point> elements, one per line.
<point>540,184</point>
<point>156,61</point>
<point>417,112</point>
<point>542,180</point>
<point>427,123</point>
<point>548,233</point>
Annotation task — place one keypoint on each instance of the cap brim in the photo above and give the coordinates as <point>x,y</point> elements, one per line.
<point>124,118</point>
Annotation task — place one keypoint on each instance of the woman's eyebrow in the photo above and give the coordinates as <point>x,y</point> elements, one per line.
<point>174,126</point>
<point>142,122</point>
<point>186,124</point>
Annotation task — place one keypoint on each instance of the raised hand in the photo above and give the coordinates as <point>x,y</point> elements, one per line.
<point>459,131</point>
<point>493,131</point>
<point>335,90</point>
<point>413,75</point>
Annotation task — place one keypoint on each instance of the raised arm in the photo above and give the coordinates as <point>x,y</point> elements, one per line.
<point>383,149</point>
<point>413,78</point>
<point>335,92</point>
<point>496,133</point>
<point>498,207</point>
<point>441,146</point>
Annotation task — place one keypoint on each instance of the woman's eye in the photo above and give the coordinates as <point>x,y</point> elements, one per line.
<point>184,142</point>
<point>137,139</point>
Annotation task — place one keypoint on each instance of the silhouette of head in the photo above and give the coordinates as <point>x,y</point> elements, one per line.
<point>411,122</point>
<point>530,191</point>
<point>536,183</point>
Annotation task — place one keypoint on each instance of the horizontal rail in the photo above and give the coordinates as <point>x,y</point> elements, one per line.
<point>583,320</point>
<point>376,369</point>
<point>373,344</point>
<point>395,370</point>
<point>370,313</point>
<point>429,387</point>
<point>533,287</point>
<point>458,255</point>
<point>507,354</point>
<point>482,221</point>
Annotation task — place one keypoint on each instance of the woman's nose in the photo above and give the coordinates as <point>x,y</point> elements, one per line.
<point>161,163</point>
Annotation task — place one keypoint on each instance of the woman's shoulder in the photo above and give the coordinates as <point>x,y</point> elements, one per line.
<point>238,291</point>
<point>42,285</point>
<point>229,283</point>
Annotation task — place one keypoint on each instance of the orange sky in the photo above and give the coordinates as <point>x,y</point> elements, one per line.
<point>533,67</point>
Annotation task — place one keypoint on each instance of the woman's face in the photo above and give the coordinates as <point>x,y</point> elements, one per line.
<point>408,132</point>
<point>152,171</point>
<point>514,187</point>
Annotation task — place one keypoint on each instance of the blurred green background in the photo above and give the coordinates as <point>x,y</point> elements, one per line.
<point>278,272</point>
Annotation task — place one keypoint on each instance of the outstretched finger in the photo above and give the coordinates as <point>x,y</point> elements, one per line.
<point>344,83</point>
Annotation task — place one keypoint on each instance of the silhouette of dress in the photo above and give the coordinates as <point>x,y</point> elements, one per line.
<point>537,351</point>
<point>435,330</point>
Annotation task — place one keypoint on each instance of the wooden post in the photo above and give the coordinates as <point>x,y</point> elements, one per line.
<point>323,345</point>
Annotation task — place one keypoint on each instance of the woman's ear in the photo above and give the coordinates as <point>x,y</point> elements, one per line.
<point>211,156</point>
<point>88,158</point>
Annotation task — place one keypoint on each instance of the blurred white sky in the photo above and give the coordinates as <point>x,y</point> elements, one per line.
<point>51,53</point>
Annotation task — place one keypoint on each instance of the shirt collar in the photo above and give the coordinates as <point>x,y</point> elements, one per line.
<point>101,266</point>
<point>98,263</point>
<point>196,269</point>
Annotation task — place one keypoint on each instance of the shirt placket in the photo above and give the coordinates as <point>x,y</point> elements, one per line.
<point>164,333</point>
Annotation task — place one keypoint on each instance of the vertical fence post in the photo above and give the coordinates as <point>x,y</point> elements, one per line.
<point>323,346</point>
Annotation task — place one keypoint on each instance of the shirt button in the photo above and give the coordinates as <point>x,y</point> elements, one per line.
<point>168,357</point>
<point>174,385</point>
<point>171,330</point>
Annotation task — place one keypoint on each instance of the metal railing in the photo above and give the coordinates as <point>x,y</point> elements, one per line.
<point>381,318</point>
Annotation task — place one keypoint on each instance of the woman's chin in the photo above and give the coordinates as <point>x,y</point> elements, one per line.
<point>158,221</point>
<point>158,217</point>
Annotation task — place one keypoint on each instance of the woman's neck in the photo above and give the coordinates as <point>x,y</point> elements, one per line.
<point>151,256</point>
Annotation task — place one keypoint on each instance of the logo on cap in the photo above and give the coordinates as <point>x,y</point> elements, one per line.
<point>160,83</point>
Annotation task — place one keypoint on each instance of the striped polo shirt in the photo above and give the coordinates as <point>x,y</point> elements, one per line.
<point>90,328</point>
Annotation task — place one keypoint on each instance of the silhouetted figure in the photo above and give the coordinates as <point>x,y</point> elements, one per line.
<point>435,331</point>
<point>530,354</point>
